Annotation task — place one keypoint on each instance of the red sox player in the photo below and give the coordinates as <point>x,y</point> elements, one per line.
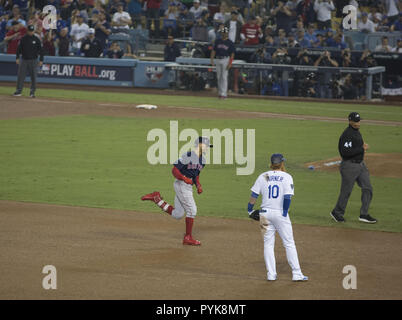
<point>186,170</point>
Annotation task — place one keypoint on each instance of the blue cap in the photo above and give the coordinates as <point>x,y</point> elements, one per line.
<point>277,158</point>
<point>203,140</point>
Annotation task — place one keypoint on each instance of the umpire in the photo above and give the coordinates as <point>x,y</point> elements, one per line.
<point>353,169</point>
<point>29,48</point>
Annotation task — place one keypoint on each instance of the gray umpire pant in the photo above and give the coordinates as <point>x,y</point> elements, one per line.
<point>30,67</point>
<point>222,76</point>
<point>354,172</point>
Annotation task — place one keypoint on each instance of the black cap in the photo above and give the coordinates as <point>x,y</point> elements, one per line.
<point>234,12</point>
<point>203,140</point>
<point>277,158</point>
<point>354,116</point>
<point>31,28</point>
<point>14,22</point>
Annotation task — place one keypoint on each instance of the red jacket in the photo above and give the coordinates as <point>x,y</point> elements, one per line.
<point>252,34</point>
<point>154,4</point>
<point>12,45</point>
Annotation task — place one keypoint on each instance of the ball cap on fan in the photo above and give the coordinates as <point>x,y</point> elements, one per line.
<point>277,158</point>
<point>354,116</point>
<point>203,140</point>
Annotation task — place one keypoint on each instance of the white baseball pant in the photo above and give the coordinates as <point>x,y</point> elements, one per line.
<point>270,222</point>
<point>222,76</point>
<point>184,200</point>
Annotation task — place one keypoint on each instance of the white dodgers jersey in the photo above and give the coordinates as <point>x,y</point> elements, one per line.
<point>272,186</point>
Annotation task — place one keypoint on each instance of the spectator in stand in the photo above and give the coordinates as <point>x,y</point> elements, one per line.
<point>281,40</point>
<point>115,52</point>
<point>121,19</point>
<point>398,47</point>
<point>323,9</point>
<point>197,9</point>
<point>392,8</point>
<point>329,39</point>
<point>102,27</point>
<point>375,16</point>
<point>199,32</point>
<point>305,9</point>
<point>82,7</point>
<point>320,43</point>
<point>364,24</point>
<point>234,27</point>
<point>339,42</point>
<point>13,36</point>
<point>220,16</point>
<point>172,50</point>
<point>22,4</point>
<point>61,24</point>
<point>292,43</point>
<point>134,8</point>
<point>185,21</point>
<point>384,46</point>
<point>292,6</point>
<point>310,35</point>
<point>36,21</point>
<point>3,30</point>
<point>153,16</point>
<point>66,9</point>
<point>251,33</point>
<point>170,20</point>
<point>397,25</point>
<point>269,30</point>
<point>48,44</point>
<point>91,47</point>
<point>16,16</point>
<point>79,31</point>
<point>301,39</point>
<point>269,41</point>
<point>63,43</point>
<point>283,16</point>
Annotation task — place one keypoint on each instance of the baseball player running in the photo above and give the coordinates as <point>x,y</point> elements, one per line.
<point>276,188</point>
<point>186,170</point>
<point>223,51</point>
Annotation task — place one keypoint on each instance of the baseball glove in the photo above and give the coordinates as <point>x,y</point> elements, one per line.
<point>255,214</point>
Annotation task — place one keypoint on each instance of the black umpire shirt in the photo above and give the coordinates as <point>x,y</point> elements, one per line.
<point>30,48</point>
<point>351,145</point>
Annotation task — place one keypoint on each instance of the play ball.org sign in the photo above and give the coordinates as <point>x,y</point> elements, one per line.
<point>85,72</point>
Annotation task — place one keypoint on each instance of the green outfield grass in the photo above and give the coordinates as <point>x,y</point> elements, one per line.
<point>100,161</point>
<point>337,110</point>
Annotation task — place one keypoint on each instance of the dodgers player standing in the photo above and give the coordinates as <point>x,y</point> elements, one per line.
<point>223,51</point>
<point>276,188</point>
<point>186,170</point>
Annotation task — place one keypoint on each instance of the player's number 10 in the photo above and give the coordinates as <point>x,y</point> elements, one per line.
<point>273,191</point>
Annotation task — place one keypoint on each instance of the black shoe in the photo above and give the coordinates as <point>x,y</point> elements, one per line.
<point>17,94</point>
<point>337,217</point>
<point>367,219</point>
<point>32,95</point>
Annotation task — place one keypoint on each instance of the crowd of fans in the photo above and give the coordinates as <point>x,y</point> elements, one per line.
<point>83,27</point>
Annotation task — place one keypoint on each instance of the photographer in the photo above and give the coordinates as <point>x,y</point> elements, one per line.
<point>346,58</point>
<point>308,86</point>
<point>325,80</point>
<point>303,58</point>
<point>349,91</point>
<point>367,60</point>
<point>281,56</point>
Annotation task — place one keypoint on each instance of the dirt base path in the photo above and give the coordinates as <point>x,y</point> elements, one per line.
<point>113,254</point>
<point>23,107</point>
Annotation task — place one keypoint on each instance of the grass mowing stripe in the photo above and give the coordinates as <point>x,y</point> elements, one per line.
<point>325,109</point>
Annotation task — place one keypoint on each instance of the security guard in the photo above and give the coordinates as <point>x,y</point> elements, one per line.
<point>353,169</point>
<point>30,48</point>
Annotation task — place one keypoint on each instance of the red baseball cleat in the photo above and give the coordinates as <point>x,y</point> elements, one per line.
<point>154,196</point>
<point>188,240</point>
